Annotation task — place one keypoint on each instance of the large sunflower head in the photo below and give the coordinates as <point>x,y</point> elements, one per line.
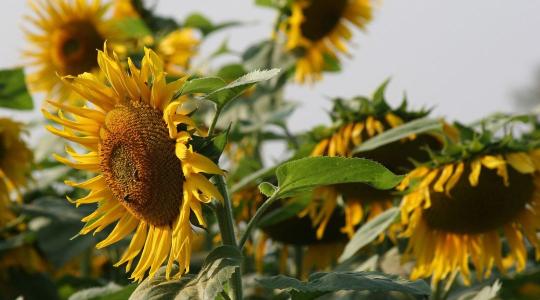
<point>149,178</point>
<point>15,165</point>
<point>456,206</point>
<point>64,41</point>
<point>354,122</point>
<point>318,29</point>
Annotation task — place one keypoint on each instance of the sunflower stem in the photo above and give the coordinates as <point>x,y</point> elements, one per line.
<point>214,121</point>
<point>225,219</point>
<point>258,215</point>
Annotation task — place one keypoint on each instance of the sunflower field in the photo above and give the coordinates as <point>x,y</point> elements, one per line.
<point>146,172</point>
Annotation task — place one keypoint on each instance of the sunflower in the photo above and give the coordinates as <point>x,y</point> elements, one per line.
<point>177,48</point>
<point>15,165</point>
<point>319,29</point>
<point>455,211</point>
<point>356,124</point>
<point>150,180</point>
<point>64,42</point>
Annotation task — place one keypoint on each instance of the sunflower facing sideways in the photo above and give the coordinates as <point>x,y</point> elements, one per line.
<point>356,121</point>
<point>149,181</point>
<point>319,29</point>
<point>456,207</point>
<point>64,41</point>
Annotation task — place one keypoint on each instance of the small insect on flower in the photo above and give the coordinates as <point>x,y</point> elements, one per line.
<point>150,180</point>
<point>319,30</point>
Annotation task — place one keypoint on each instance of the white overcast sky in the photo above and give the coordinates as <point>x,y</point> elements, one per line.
<point>465,58</point>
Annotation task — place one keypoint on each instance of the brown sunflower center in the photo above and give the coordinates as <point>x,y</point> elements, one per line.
<point>75,47</point>
<point>321,17</point>
<point>482,208</point>
<point>139,163</point>
<point>398,158</point>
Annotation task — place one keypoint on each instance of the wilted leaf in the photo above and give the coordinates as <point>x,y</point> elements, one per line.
<point>307,173</point>
<point>319,284</point>
<point>369,232</point>
<point>13,91</point>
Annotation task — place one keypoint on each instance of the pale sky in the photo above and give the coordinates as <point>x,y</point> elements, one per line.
<point>465,58</point>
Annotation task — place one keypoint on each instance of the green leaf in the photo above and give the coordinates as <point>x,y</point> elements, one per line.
<point>319,284</point>
<point>398,133</point>
<point>13,91</point>
<point>486,293</point>
<point>267,189</point>
<point>111,291</point>
<point>217,269</point>
<point>130,28</point>
<point>251,178</point>
<point>231,91</point>
<point>199,21</point>
<point>231,71</point>
<point>307,173</point>
<point>369,232</point>
<point>158,287</point>
<point>211,147</point>
<point>331,63</point>
<point>202,85</point>
<point>269,3</point>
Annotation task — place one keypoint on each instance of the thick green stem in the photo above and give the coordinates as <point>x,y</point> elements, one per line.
<point>253,222</point>
<point>225,219</point>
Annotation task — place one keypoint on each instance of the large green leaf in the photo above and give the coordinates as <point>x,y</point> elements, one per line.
<point>13,91</point>
<point>218,268</point>
<point>61,221</point>
<point>398,133</point>
<point>307,173</point>
<point>231,91</point>
<point>203,85</point>
<point>320,284</point>
<point>368,232</point>
<point>252,178</point>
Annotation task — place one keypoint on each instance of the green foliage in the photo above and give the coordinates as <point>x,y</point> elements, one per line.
<point>218,268</point>
<point>130,28</point>
<point>199,21</point>
<point>395,134</point>
<point>369,232</point>
<point>13,91</point>
<point>221,93</point>
<point>320,284</point>
<point>111,291</point>
<point>307,173</point>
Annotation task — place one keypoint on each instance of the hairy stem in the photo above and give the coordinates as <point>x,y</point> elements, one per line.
<point>225,219</point>
<point>256,218</point>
